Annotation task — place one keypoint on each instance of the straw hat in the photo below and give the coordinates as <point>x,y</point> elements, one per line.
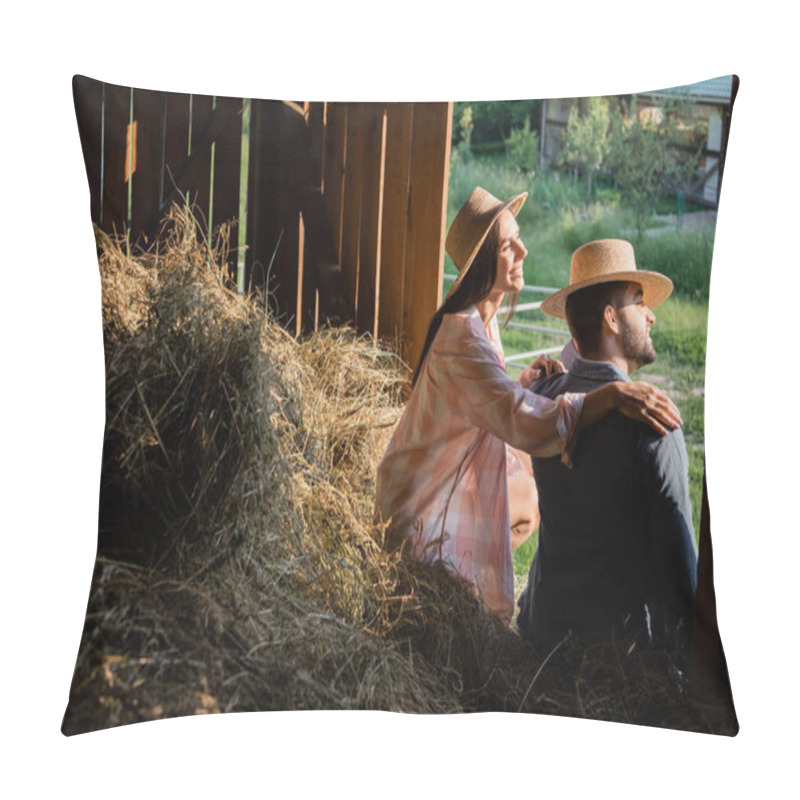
<point>472,225</point>
<point>604,261</point>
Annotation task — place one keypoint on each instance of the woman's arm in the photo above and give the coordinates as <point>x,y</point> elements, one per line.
<point>464,371</point>
<point>470,375</point>
<point>544,366</point>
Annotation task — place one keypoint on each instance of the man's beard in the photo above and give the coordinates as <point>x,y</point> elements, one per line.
<point>637,348</point>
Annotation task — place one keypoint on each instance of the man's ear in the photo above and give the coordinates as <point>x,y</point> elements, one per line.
<point>610,319</point>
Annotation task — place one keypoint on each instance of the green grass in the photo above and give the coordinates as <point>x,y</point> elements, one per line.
<point>669,205</point>
<point>685,256</point>
<point>679,337</point>
<point>523,556</point>
<point>555,221</point>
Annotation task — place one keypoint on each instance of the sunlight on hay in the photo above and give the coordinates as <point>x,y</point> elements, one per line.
<point>238,565</point>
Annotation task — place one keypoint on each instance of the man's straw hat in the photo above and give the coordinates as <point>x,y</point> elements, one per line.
<point>472,225</point>
<point>605,261</point>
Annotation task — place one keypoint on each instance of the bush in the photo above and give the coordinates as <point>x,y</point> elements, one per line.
<point>522,146</point>
<point>583,224</point>
<point>462,151</point>
<point>492,173</point>
<point>547,193</point>
<point>550,193</point>
<point>493,119</point>
<point>643,157</point>
<point>586,142</point>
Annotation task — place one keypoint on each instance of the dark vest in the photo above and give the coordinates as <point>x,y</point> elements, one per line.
<point>616,544</point>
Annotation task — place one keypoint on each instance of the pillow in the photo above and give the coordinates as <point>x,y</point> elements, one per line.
<point>268,269</point>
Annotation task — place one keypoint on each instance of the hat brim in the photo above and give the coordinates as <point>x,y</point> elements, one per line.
<point>513,205</point>
<point>656,288</point>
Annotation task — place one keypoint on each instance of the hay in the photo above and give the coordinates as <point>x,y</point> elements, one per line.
<point>238,567</point>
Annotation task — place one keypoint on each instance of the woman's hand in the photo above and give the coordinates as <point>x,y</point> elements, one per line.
<point>544,366</point>
<point>645,403</point>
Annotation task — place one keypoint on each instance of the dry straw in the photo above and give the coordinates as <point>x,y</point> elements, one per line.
<point>238,567</point>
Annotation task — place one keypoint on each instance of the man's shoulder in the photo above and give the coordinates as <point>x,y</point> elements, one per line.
<point>553,385</point>
<point>652,446</point>
<point>562,382</point>
<point>662,449</point>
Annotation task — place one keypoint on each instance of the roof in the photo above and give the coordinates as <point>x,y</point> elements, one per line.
<point>716,91</point>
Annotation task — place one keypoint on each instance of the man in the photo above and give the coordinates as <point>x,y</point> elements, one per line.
<point>616,543</point>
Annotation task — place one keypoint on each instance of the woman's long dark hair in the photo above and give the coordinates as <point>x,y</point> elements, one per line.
<point>475,286</point>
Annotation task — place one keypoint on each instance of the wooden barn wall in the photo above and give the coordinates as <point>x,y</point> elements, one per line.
<point>386,168</point>
<point>346,202</point>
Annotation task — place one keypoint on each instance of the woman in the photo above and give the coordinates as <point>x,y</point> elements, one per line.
<point>443,482</point>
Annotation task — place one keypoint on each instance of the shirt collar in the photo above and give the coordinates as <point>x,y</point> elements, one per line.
<point>596,370</point>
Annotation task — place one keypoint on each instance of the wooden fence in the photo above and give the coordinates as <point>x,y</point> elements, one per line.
<point>345,202</point>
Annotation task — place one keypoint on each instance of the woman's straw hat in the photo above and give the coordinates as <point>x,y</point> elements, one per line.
<point>605,261</point>
<point>471,226</point>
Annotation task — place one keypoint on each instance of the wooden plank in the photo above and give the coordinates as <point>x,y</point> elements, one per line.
<point>254,276</point>
<point>292,159</point>
<point>199,183</point>
<point>176,148</point>
<point>263,231</point>
<point>395,222</point>
<point>308,279</point>
<point>283,185</point>
<point>351,206</point>
<point>429,171</point>
<point>306,285</point>
<point>316,114</point>
<point>148,114</point>
<point>322,260</point>
<point>227,166</point>
<point>301,160</point>
<point>335,148</point>
<point>185,172</point>
<point>372,184</point>
<point>116,117</point>
<point>88,98</point>
<point>286,276</point>
<point>312,257</point>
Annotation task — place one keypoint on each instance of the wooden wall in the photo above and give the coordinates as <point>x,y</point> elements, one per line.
<point>346,202</point>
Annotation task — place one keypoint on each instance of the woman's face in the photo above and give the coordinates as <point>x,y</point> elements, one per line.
<point>510,255</point>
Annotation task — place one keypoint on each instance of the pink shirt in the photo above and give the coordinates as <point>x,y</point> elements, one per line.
<point>442,482</point>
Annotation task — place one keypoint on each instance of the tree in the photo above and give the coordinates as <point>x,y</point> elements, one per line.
<point>522,147</point>
<point>586,139</point>
<point>493,119</point>
<point>465,126</point>
<point>644,154</point>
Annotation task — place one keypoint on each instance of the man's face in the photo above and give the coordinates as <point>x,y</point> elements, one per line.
<point>636,319</point>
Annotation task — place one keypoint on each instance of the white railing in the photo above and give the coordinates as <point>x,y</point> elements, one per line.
<point>520,360</point>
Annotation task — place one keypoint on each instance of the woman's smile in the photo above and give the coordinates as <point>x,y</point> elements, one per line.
<point>510,256</point>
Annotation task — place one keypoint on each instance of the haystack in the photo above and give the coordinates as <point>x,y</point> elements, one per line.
<point>238,567</point>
